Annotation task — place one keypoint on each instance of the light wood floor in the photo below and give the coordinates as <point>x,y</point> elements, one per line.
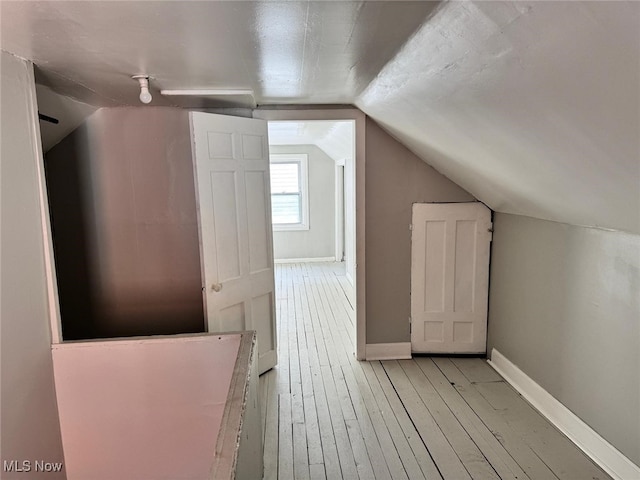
<point>328,416</point>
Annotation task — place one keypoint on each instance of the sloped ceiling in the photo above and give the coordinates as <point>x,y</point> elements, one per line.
<point>335,138</point>
<point>69,113</point>
<point>533,107</point>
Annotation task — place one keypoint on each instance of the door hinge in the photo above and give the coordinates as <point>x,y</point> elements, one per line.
<point>411,226</point>
<point>490,230</point>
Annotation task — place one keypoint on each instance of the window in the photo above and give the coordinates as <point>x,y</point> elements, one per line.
<point>289,192</point>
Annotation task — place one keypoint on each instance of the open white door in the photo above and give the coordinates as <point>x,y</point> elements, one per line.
<point>231,158</point>
<point>450,277</point>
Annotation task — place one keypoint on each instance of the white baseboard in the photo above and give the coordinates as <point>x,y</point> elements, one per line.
<point>388,351</point>
<point>588,440</point>
<point>305,260</point>
<point>349,277</point>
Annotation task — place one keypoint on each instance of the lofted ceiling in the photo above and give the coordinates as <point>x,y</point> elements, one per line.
<point>68,112</point>
<point>335,137</point>
<point>533,107</point>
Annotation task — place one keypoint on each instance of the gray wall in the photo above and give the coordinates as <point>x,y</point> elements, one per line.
<point>395,180</point>
<point>565,308</point>
<point>124,225</point>
<point>30,426</point>
<point>319,240</point>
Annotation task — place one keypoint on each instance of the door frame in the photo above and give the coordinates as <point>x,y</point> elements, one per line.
<point>267,113</point>
<point>339,211</point>
<point>288,113</point>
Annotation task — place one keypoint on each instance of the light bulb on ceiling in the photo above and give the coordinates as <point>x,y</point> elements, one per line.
<point>145,94</point>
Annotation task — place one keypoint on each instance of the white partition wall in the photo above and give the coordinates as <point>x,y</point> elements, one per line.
<point>156,407</point>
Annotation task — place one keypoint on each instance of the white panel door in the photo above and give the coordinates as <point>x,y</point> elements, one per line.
<point>231,158</point>
<point>450,277</point>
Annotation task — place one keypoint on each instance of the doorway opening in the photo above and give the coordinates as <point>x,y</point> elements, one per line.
<point>164,222</point>
<point>313,198</point>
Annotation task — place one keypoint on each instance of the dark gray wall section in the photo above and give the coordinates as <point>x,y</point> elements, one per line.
<point>122,203</point>
<point>69,189</point>
<point>395,180</point>
<point>565,308</point>
<point>319,240</point>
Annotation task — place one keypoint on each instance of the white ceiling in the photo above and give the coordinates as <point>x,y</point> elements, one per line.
<point>70,114</point>
<point>534,107</point>
<point>285,51</point>
<point>335,138</point>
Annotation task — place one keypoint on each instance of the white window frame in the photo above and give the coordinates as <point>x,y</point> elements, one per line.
<point>303,160</point>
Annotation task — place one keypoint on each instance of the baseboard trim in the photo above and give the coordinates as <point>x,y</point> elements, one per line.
<point>388,351</point>
<point>349,277</point>
<point>305,260</point>
<point>588,440</point>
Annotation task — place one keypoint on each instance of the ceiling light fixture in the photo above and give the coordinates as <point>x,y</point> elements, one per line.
<point>145,95</point>
<point>211,92</point>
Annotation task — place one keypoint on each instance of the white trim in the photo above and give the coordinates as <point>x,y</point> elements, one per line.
<point>53,300</point>
<point>305,260</point>
<point>349,278</point>
<point>388,351</point>
<point>339,211</point>
<point>588,440</point>
<point>355,115</point>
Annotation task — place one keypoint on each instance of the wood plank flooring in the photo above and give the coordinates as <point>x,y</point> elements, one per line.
<point>327,416</point>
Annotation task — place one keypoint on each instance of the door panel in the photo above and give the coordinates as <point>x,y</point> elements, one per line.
<point>252,147</point>
<point>261,306</point>
<point>231,318</point>
<point>464,266</point>
<point>434,263</point>
<point>257,188</point>
<point>220,145</point>
<point>231,158</point>
<point>449,277</point>
<point>224,215</point>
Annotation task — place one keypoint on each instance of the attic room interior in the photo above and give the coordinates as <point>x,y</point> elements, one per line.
<point>320,240</point>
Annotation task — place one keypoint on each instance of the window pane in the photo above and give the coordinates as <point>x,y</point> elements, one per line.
<point>286,208</point>
<point>285,178</point>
